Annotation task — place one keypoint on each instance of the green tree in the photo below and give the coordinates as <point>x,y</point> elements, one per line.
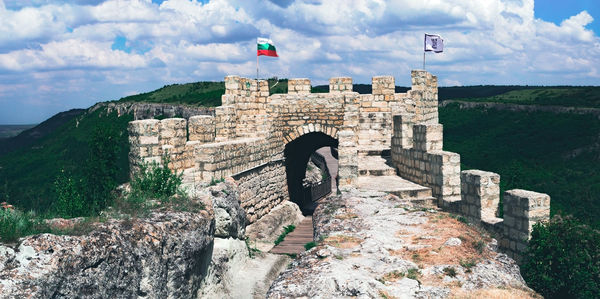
<point>101,167</point>
<point>70,201</point>
<point>563,259</point>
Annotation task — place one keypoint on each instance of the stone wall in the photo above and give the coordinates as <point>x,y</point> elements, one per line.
<point>417,153</point>
<point>151,110</point>
<point>252,128</point>
<point>222,159</point>
<point>480,194</point>
<point>262,188</point>
<point>522,209</point>
<point>418,156</point>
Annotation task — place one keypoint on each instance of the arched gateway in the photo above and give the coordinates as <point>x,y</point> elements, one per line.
<point>261,139</point>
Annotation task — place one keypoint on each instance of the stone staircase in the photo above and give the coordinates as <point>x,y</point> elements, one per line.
<point>377,174</point>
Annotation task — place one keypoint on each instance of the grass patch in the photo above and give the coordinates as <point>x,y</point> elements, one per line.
<point>310,245</point>
<point>468,264</point>
<point>479,245</point>
<point>286,230</point>
<point>450,271</point>
<point>413,273</point>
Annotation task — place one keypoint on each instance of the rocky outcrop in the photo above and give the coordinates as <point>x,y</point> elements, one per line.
<point>522,108</point>
<point>239,271</point>
<point>230,218</point>
<point>164,255</point>
<point>374,245</point>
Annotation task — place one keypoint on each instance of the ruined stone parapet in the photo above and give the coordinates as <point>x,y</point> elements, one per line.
<point>383,85</point>
<point>299,86</point>
<point>419,157</point>
<point>225,120</point>
<point>424,93</point>
<point>348,158</point>
<point>222,159</point>
<point>403,132</point>
<point>522,209</point>
<point>202,128</point>
<point>144,143</point>
<point>480,194</point>
<point>428,137</point>
<point>340,84</point>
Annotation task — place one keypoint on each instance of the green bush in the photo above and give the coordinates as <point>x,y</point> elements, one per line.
<point>70,201</point>
<point>156,181</point>
<point>563,259</point>
<point>15,224</point>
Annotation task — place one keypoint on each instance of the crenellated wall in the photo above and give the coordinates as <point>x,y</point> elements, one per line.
<point>418,155</point>
<point>247,135</point>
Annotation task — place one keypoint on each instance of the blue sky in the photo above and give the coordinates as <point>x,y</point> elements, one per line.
<point>57,54</point>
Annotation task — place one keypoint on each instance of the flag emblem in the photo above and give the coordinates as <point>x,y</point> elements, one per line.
<point>266,47</point>
<point>434,42</point>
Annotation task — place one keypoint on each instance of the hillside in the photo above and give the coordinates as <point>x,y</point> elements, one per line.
<point>568,96</point>
<point>557,154</point>
<point>31,135</point>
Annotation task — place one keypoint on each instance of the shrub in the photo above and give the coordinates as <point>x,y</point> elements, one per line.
<point>15,224</point>
<point>70,201</point>
<point>310,245</point>
<point>156,181</point>
<point>563,259</point>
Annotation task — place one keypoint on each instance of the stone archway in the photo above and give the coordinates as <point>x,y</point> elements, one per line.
<point>297,153</point>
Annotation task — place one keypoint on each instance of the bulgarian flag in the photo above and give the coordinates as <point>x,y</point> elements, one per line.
<point>265,47</point>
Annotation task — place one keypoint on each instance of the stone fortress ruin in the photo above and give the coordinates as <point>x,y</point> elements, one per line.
<point>264,141</point>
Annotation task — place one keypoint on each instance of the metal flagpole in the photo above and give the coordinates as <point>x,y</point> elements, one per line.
<point>424,60</point>
<point>257,66</point>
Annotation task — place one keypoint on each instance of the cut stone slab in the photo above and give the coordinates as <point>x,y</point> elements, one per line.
<point>397,186</point>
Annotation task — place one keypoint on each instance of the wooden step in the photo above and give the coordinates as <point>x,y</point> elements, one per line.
<point>294,242</point>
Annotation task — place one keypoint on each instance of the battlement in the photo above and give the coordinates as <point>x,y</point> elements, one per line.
<point>248,134</point>
<point>418,155</point>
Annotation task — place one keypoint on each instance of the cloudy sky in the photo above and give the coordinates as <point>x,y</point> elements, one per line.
<point>59,54</point>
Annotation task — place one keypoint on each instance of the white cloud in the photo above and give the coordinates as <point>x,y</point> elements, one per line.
<point>53,44</point>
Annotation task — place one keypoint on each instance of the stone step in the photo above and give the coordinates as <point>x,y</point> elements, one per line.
<point>374,151</point>
<point>397,186</point>
<point>375,166</point>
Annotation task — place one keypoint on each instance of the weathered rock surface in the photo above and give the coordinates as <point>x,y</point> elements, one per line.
<point>164,255</point>
<point>230,218</point>
<point>237,273</point>
<point>373,245</point>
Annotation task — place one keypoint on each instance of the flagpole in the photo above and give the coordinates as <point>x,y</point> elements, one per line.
<point>424,60</point>
<point>257,66</point>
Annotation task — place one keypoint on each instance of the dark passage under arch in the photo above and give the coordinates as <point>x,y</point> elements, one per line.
<point>297,153</point>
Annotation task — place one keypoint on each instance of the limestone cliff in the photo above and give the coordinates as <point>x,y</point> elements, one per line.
<point>164,255</point>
